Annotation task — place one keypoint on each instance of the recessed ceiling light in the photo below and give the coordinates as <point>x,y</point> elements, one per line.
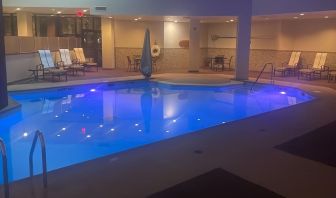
<point>18,9</point>
<point>85,10</point>
<point>295,17</point>
<point>232,20</point>
<point>110,17</point>
<point>53,9</point>
<point>326,17</point>
<point>302,14</point>
<point>52,15</point>
<point>59,12</point>
<point>136,19</point>
<point>175,21</point>
<point>139,18</point>
<point>227,21</point>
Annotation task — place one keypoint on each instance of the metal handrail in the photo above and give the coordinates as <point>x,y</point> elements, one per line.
<point>39,135</point>
<point>4,168</point>
<point>262,71</point>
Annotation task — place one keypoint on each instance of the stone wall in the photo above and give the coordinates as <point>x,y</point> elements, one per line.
<point>175,59</point>
<point>171,59</point>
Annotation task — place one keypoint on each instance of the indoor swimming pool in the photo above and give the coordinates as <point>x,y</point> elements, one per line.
<point>81,123</point>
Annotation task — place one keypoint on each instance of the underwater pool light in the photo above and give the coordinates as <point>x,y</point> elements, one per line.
<point>25,134</point>
<point>93,90</point>
<point>283,93</point>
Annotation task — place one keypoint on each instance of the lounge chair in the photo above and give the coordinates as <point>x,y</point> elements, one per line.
<point>291,66</point>
<point>48,67</point>
<point>228,62</point>
<point>131,66</point>
<point>316,69</point>
<point>68,63</point>
<point>218,63</point>
<point>82,60</point>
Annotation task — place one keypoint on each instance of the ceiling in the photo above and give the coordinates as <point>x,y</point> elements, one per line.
<point>208,19</point>
<point>298,16</point>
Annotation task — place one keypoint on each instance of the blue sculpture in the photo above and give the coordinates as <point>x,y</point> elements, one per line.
<point>146,58</point>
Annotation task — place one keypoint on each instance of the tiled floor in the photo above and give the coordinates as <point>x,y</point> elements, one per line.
<point>208,76</point>
<point>244,148</point>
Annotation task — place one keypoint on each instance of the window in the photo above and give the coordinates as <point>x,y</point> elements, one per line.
<point>10,24</point>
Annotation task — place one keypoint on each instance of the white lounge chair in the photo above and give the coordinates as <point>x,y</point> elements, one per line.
<point>290,66</point>
<point>82,60</point>
<point>48,67</point>
<point>316,69</point>
<point>68,63</point>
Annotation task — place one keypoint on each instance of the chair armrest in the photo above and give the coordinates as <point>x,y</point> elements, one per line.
<point>60,64</point>
<point>76,61</point>
<point>39,67</point>
<point>325,68</point>
<point>284,64</point>
<point>307,66</point>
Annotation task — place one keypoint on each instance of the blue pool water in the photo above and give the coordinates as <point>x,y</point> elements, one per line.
<point>90,121</point>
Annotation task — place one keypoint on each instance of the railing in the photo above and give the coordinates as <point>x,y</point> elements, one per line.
<point>4,168</point>
<point>39,135</point>
<point>262,71</point>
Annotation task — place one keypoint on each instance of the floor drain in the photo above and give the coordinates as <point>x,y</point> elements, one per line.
<point>198,151</point>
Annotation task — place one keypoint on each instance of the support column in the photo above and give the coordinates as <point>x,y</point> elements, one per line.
<point>243,47</point>
<point>3,74</point>
<point>194,45</point>
<point>25,24</point>
<point>108,43</point>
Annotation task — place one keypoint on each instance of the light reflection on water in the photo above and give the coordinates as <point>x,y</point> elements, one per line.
<point>86,122</point>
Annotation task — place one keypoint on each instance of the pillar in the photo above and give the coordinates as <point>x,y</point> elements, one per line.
<point>243,46</point>
<point>108,43</point>
<point>3,74</point>
<point>194,45</point>
<point>25,24</point>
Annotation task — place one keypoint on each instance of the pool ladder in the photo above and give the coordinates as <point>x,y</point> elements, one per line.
<point>262,71</point>
<point>38,135</point>
<point>4,168</point>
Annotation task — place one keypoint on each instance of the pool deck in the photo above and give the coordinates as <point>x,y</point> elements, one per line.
<point>244,148</point>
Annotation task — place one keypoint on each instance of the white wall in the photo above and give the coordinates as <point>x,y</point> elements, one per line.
<point>265,35</point>
<point>222,29</point>
<point>131,34</point>
<point>174,33</point>
<point>312,35</point>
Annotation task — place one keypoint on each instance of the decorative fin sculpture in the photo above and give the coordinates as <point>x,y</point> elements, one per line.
<point>146,58</point>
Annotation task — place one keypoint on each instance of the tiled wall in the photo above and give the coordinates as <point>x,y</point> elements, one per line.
<point>259,57</point>
<point>172,59</point>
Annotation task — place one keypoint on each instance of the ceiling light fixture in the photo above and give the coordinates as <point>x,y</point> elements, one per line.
<point>136,19</point>
<point>59,12</point>
<point>326,17</point>
<point>302,14</point>
<point>175,21</point>
<point>110,17</point>
<point>85,10</point>
<point>295,17</point>
<point>18,9</point>
<point>231,20</point>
